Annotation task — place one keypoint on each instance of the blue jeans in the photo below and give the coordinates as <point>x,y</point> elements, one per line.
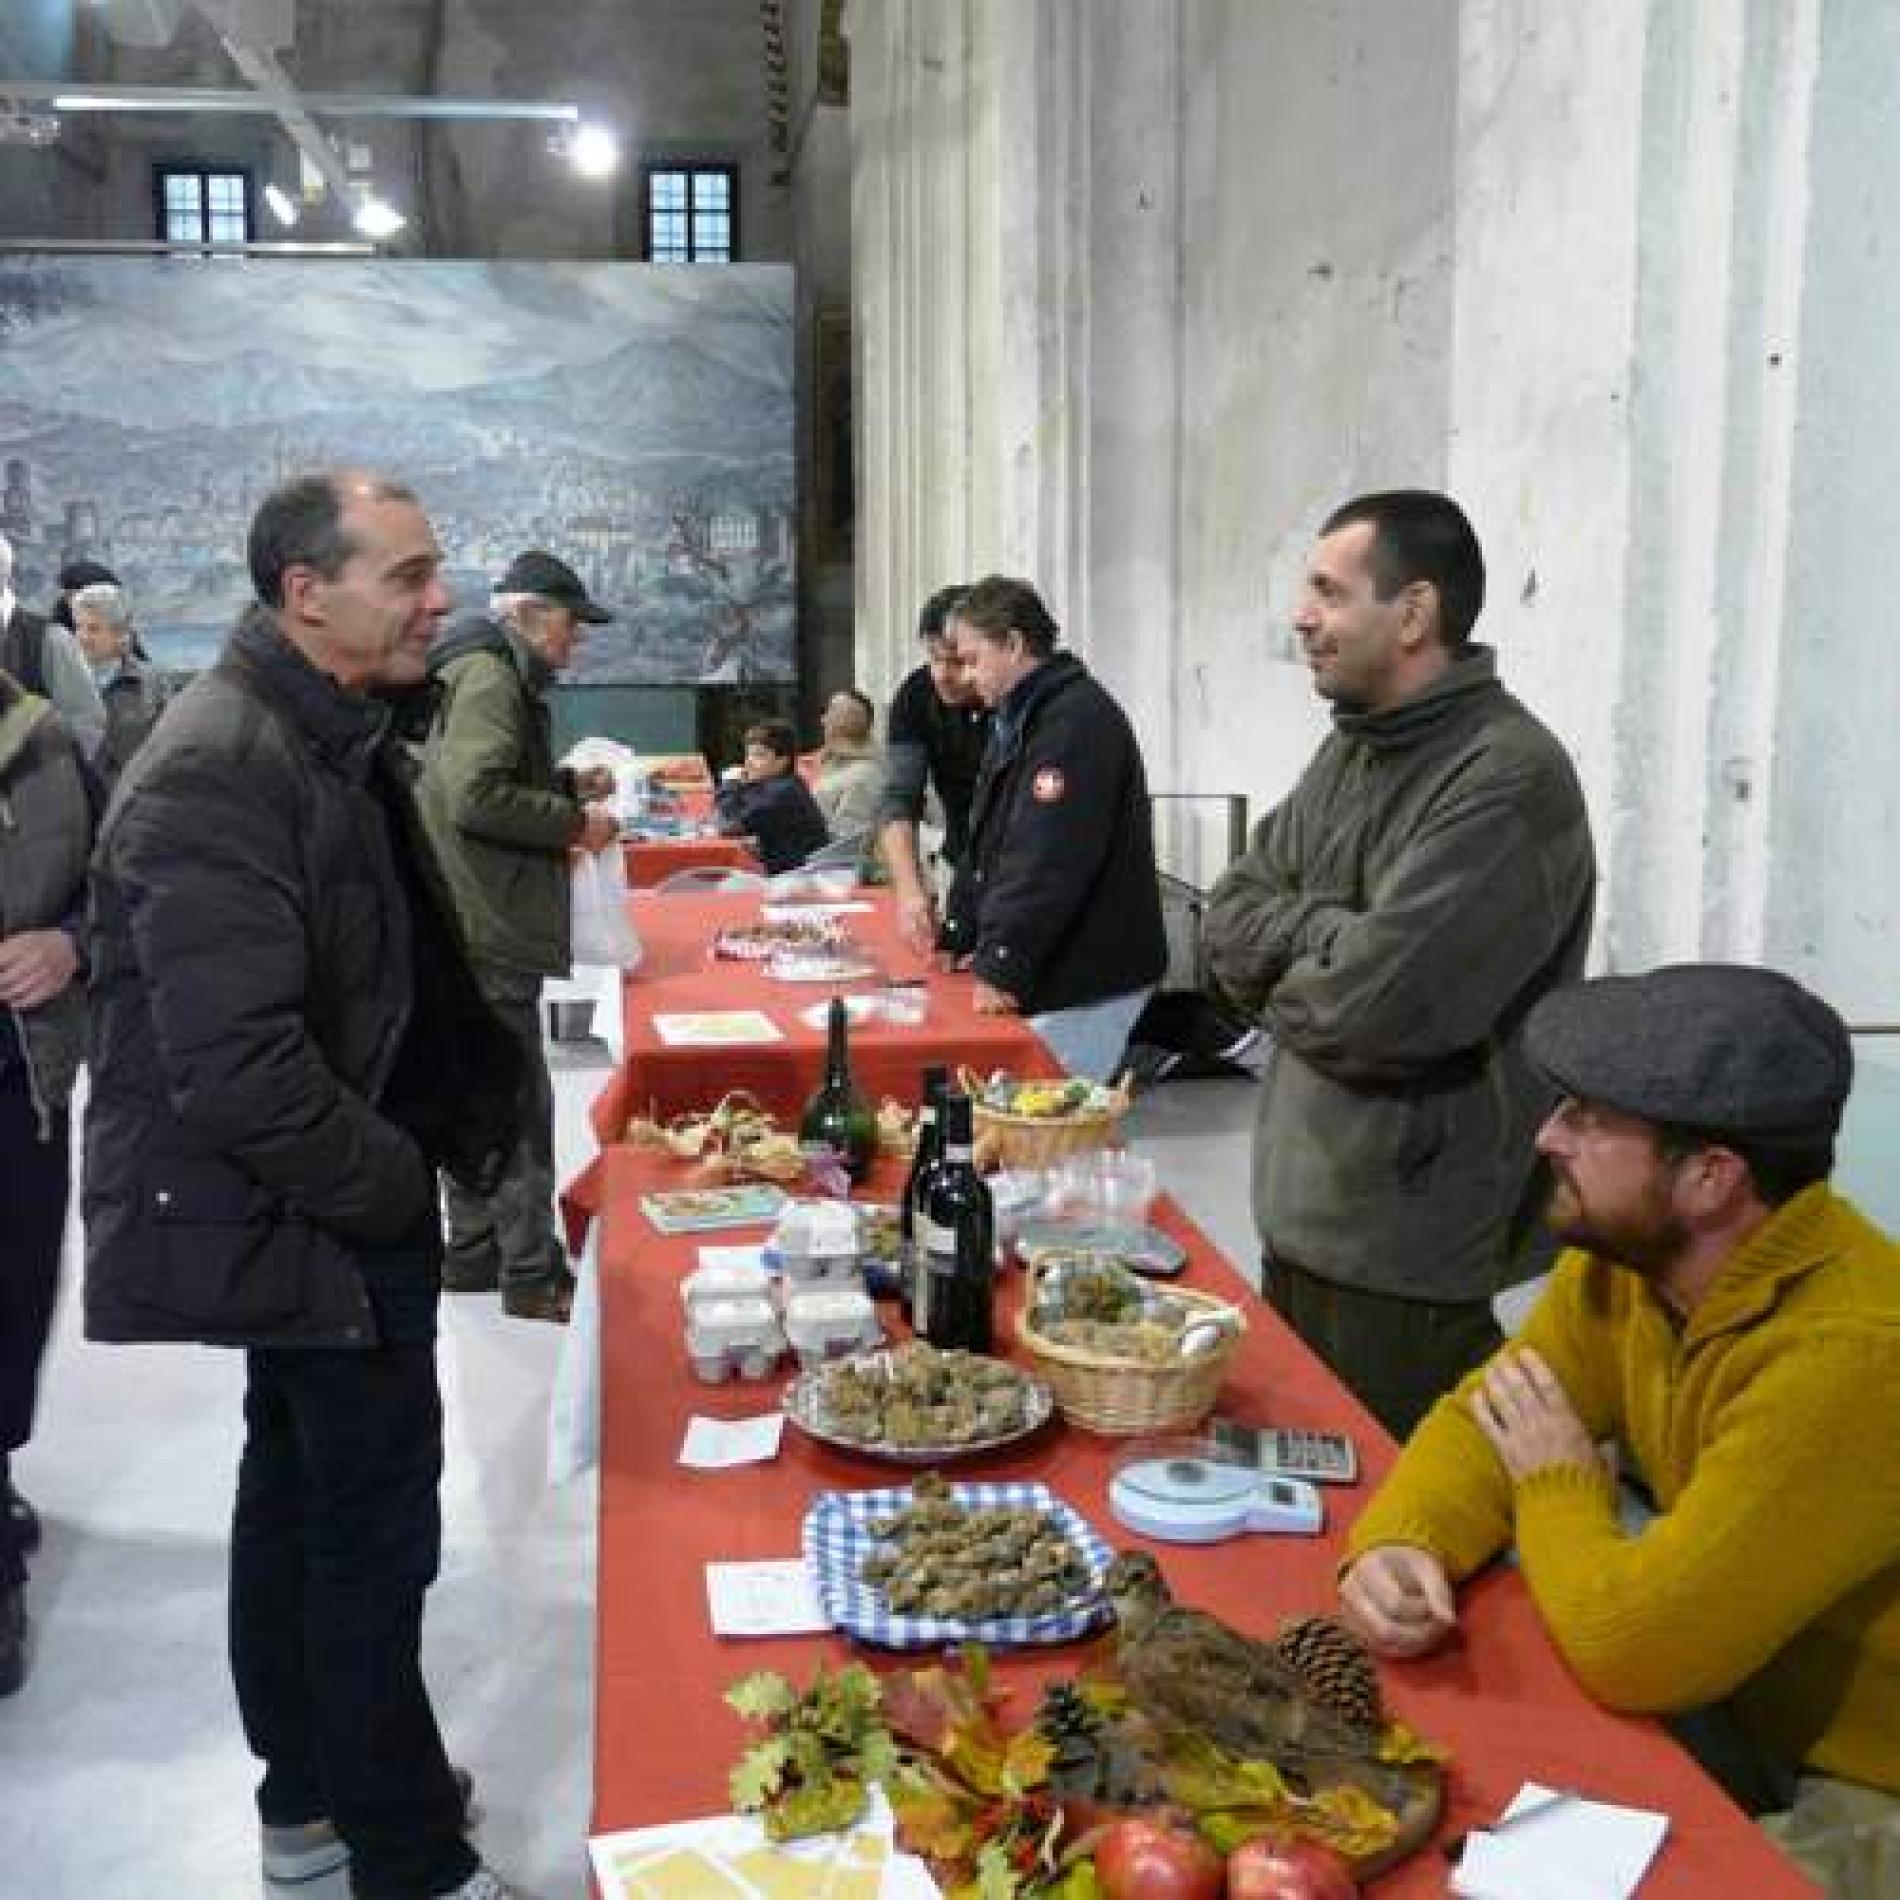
<point>337,1536</point>
<point>1091,1039</point>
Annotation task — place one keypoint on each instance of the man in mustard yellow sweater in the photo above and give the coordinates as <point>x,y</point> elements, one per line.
<point>1733,1326</point>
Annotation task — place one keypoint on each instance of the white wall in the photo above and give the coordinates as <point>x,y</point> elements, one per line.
<point>1147,285</point>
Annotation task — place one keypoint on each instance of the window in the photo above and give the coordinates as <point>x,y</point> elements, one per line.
<point>199,205</point>
<point>691,214</point>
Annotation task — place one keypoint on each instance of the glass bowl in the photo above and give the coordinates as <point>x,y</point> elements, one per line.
<point>1109,1183</point>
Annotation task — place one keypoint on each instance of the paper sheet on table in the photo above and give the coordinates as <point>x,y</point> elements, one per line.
<point>715,1028</point>
<point>810,913</point>
<point>773,1598</point>
<point>1573,1850</point>
<point>718,1444</point>
<point>728,1854</point>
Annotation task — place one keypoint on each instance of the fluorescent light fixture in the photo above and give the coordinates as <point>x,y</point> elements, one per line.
<point>338,105</point>
<point>376,219</point>
<point>594,152</point>
<point>282,206</point>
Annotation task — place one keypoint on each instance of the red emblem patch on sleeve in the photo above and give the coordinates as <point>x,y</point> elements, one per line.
<point>1048,785</point>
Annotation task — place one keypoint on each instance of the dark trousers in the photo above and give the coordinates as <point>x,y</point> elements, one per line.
<point>337,1535</point>
<point>33,1188</point>
<point>1398,1356</point>
<point>514,1226</point>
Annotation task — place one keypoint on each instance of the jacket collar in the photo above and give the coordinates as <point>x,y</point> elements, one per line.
<point>1804,1233</point>
<point>20,713</point>
<point>346,728</point>
<point>484,633</point>
<point>1473,673</point>
<point>847,751</point>
<point>1033,690</point>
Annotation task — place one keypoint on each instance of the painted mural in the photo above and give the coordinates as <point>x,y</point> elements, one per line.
<point>634,419</point>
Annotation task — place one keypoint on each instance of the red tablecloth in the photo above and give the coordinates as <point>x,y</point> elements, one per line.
<point>651,861</point>
<point>679,973</point>
<point>664,1738</point>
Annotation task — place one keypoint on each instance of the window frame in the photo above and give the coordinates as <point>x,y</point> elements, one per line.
<point>692,169</point>
<point>204,171</point>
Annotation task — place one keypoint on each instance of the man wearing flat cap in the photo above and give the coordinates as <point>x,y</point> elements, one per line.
<point>1732,1326</point>
<point>503,821</point>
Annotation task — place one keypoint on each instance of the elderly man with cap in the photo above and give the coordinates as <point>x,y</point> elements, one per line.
<point>503,821</point>
<point>1732,1326</point>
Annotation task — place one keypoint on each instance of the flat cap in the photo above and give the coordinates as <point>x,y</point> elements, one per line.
<point>1723,1047</point>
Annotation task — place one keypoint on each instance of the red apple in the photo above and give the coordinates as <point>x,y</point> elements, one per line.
<point>1151,1860</point>
<point>1284,1867</point>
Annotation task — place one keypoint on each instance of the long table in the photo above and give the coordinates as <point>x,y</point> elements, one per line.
<point>678,973</point>
<point>651,861</point>
<point>1501,1699</point>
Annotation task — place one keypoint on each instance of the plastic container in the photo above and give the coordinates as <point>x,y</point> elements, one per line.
<point>739,1281</point>
<point>818,1244</point>
<point>1108,1183</point>
<point>827,1324</point>
<point>728,1339</point>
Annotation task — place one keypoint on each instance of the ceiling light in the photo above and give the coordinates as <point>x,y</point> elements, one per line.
<point>282,206</point>
<point>375,219</point>
<point>594,152</point>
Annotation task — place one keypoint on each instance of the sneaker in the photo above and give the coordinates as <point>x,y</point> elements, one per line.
<point>309,1851</point>
<point>12,1637</point>
<point>471,1272</point>
<point>294,1855</point>
<point>481,1885</point>
<point>550,1299</point>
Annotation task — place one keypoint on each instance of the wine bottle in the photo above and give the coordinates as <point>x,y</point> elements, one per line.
<point>838,1120</point>
<point>956,1228</point>
<point>929,1150</point>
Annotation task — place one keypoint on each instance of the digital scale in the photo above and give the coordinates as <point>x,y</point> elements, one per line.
<point>1194,1491</point>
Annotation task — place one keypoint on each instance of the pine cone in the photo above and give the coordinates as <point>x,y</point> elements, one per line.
<point>1066,1715</point>
<point>1334,1666</point>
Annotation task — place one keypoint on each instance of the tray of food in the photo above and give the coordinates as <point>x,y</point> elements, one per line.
<point>771,937</point>
<point>935,1563</point>
<point>914,1405</point>
<point>825,963</point>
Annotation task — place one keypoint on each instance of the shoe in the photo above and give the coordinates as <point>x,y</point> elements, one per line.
<point>12,1637</point>
<point>309,1851</point>
<point>25,1521</point>
<point>549,1299</point>
<point>470,1273</point>
<point>482,1884</point>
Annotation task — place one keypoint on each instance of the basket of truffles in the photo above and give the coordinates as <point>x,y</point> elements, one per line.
<point>1121,1354</point>
<point>913,1404</point>
<point>940,1563</point>
<point>1035,1122</point>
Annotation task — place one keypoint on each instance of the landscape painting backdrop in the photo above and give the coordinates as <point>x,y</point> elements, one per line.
<point>635,419</point>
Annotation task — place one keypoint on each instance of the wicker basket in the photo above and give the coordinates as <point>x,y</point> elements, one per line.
<point>1125,1397</point>
<point>1040,1141</point>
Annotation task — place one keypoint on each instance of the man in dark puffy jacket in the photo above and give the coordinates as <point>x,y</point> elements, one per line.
<point>45,833</point>
<point>503,820</point>
<point>1397,916</point>
<point>287,1042</point>
<point>1057,905</point>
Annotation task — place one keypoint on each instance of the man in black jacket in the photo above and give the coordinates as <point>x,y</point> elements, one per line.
<point>286,1043</point>
<point>1056,907</point>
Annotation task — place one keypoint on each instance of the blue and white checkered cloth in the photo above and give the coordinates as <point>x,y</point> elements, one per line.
<point>838,1538</point>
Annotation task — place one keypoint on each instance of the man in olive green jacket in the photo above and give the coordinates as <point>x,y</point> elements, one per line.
<point>503,821</point>
<point>1425,882</point>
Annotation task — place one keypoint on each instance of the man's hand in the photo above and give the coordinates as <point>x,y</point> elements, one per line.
<point>35,966</point>
<point>1399,1599</point>
<point>990,1001</point>
<point>917,919</point>
<point>593,782</point>
<point>1524,1411</point>
<point>599,828</point>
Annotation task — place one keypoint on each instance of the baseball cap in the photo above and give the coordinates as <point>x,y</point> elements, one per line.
<point>538,572</point>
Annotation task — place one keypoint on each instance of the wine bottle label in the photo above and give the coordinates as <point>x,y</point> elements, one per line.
<point>936,1239</point>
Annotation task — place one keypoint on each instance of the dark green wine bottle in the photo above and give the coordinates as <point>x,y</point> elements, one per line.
<point>838,1119</point>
